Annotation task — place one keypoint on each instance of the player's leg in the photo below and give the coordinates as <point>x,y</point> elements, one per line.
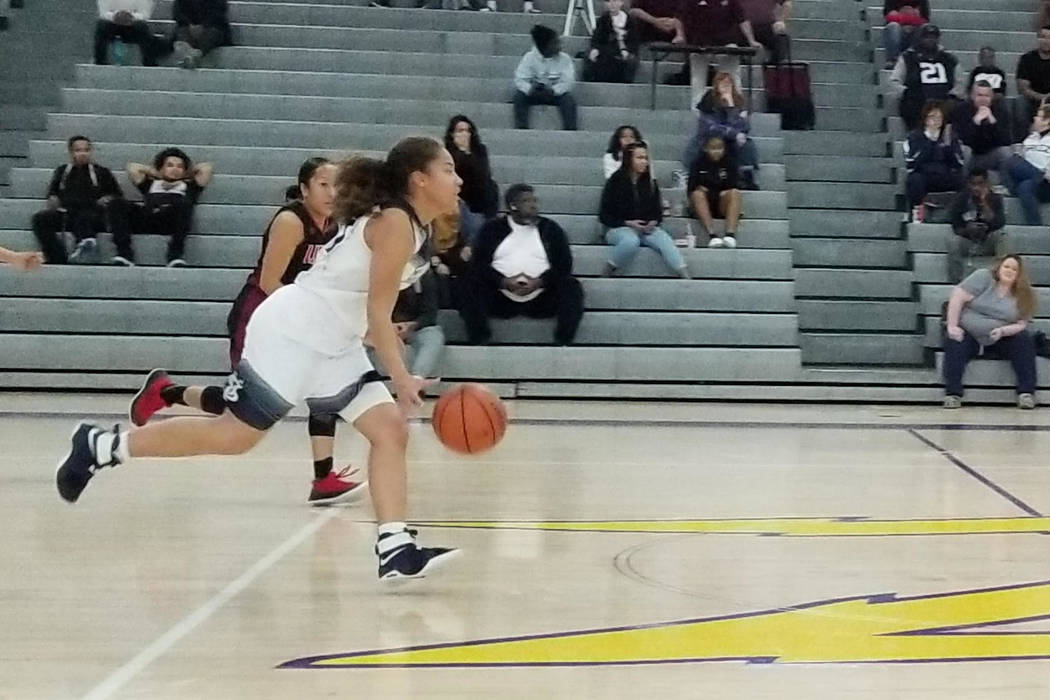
<point>159,391</point>
<point>330,486</point>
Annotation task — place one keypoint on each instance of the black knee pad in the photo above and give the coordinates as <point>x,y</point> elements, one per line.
<point>321,425</point>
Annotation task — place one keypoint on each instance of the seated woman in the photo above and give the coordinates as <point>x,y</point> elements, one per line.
<point>714,190</point>
<point>479,194</point>
<point>621,138</point>
<point>633,210</point>
<point>934,158</point>
<point>724,113</point>
<point>1026,172</point>
<point>613,56</point>
<point>990,311</point>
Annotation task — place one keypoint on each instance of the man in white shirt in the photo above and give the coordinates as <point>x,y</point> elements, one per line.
<point>127,20</point>
<point>522,265</point>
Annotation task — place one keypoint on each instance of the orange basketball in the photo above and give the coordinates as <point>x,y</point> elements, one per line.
<point>469,419</point>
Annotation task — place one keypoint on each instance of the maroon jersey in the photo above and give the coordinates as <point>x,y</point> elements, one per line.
<point>304,255</point>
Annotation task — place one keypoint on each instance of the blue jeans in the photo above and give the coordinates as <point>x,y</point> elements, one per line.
<point>1018,349</point>
<point>422,351</point>
<point>896,38</point>
<point>1027,183</point>
<point>470,223</point>
<point>626,242</point>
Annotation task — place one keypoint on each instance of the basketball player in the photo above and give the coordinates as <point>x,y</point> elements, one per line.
<point>304,344</point>
<point>293,239</point>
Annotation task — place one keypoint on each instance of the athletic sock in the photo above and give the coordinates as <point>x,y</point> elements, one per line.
<point>392,537</point>
<point>322,467</point>
<point>173,395</point>
<point>111,448</point>
<point>212,401</point>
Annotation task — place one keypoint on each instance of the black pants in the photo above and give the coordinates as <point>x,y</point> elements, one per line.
<point>523,103</point>
<point>920,183</point>
<point>778,46</point>
<point>1018,349</point>
<point>134,33</point>
<point>172,221</point>
<point>561,299</point>
<point>610,68</point>
<point>207,41</point>
<point>83,222</point>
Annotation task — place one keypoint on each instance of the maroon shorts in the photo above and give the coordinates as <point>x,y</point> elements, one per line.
<point>237,322</point>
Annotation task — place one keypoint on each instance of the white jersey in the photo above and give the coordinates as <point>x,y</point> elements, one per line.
<point>326,308</point>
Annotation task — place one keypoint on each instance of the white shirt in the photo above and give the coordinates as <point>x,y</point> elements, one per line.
<point>521,253</point>
<point>139,9</point>
<point>1037,150</point>
<point>619,23</point>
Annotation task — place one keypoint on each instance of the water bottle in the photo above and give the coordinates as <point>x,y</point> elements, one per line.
<point>119,52</point>
<point>690,237</point>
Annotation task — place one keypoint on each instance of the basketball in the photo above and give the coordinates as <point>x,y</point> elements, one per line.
<point>469,419</point>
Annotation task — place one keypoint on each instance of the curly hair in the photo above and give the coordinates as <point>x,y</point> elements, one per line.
<point>362,184</point>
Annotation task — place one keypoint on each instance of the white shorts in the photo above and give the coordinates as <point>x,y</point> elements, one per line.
<point>277,372</point>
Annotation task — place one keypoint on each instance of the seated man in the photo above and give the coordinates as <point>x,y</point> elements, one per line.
<point>983,124</point>
<point>923,73</point>
<point>715,24</point>
<point>768,20</point>
<point>200,27</point>
<point>987,71</point>
<point>84,198</point>
<point>127,20</point>
<point>903,19</point>
<point>1033,76</point>
<point>170,190</point>
<point>977,220</point>
<point>522,265</point>
<point>714,190</point>
<point>545,76</point>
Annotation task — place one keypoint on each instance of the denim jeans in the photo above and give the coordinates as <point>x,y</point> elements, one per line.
<point>1028,183</point>
<point>895,39</point>
<point>565,102</point>
<point>1018,349</point>
<point>626,242</point>
<point>422,351</point>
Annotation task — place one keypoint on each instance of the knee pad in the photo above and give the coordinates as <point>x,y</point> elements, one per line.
<point>321,425</point>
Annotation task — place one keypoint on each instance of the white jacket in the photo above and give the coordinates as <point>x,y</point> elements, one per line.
<point>139,9</point>
<point>1037,150</point>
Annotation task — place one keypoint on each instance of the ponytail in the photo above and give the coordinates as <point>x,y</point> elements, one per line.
<point>292,193</point>
<point>362,184</point>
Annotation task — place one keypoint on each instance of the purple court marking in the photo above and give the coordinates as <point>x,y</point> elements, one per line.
<point>311,662</point>
<point>947,454</point>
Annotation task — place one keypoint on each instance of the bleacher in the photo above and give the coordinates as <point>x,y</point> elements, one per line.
<point>820,302</point>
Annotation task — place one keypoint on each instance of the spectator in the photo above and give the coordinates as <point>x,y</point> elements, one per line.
<point>977,220</point>
<point>479,194</point>
<point>632,209</point>
<point>934,159</point>
<point>723,113</point>
<point>170,190</point>
<point>903,19</point>
<point>126,20</point>
<point>21,261</point>
<point>768,20</point>
<point>1042,18</point>
<point>1033,74</point>
<point>83,197</point>
<point>200,27</point>
<point>924,72</point>
<point>989,312</point>
<point>522,265</point>
<point>983,124</point>
<point>621,139</point>
<point>720,23</point>
<point>450,258</point>
<point>545,76</point>
<point>4,21</point>
<point>613,57</point>
<point>1028,171</point>
<point>987,71</point>
<point>658,20</point>
<point>714,191</point>
<point>415,320</point>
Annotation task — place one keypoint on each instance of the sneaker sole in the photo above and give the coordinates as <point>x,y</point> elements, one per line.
<point>345,497</point>
<point>65,459</point>
<point>150,378</point>
<point>436,564</point>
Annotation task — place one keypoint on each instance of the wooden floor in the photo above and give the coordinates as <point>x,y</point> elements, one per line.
<point>610,551</point>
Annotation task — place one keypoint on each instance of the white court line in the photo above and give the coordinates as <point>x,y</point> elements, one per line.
<point>120,677</point>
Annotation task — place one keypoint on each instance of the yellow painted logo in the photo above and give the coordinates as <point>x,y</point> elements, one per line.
<point>956,626</point>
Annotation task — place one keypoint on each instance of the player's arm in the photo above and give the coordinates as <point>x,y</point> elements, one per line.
<point>286,234</point>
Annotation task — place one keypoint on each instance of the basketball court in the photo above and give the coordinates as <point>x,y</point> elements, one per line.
<point>609,550</point>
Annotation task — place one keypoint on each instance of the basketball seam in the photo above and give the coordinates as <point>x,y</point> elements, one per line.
<point>492,426</point>
<point>463,420</point>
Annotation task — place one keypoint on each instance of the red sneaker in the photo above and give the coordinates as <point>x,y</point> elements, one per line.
<point>336,487</point>
<point>148,401</point>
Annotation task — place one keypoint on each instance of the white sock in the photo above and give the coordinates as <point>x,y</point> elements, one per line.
<point>392,528</point>
<point>111,448</point>
<point>122,448</point>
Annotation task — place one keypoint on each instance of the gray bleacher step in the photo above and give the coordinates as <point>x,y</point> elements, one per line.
<point>834,143</point>
<point>324,136</point>
<point>197,284</point>
<point>827,223</point>
<point>833,283</point>
<point>861,348</point>
<point>852,252</point>
<point>210,355</point>
<point>25,116</point>
<point>932,268</point>
<point>112,318</point>
<point>862,119</point>
<point>973,40</point>
<point>15,142</point>
<point>1003,19</point>
<point>933,238</point>
<point>844,195</point>
<point>839,168</point>
<point>821,314</point>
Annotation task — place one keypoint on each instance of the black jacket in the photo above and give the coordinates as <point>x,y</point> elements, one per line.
<point>714,177</point>
<point>555,243</point>
<point>80,187</point>
<point>928,77</point>
<point>479,191</point>
<point>624,200</point>
<point>210,13</point>
<point>964,210</point>
<point>604,37</point>
<point>419,305</point>
<point>986,137</point>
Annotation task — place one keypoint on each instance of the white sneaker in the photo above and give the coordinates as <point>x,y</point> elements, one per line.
<point>951,401</point>
<point>121,260</point>
<point>1025,401</point>
<point>715,242</point>
<point>490,6</point>
<point>530,9</point>
<point>729,242</point>
<point>177,262</point>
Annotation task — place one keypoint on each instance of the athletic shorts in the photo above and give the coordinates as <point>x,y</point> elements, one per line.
<point>277,373</point>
